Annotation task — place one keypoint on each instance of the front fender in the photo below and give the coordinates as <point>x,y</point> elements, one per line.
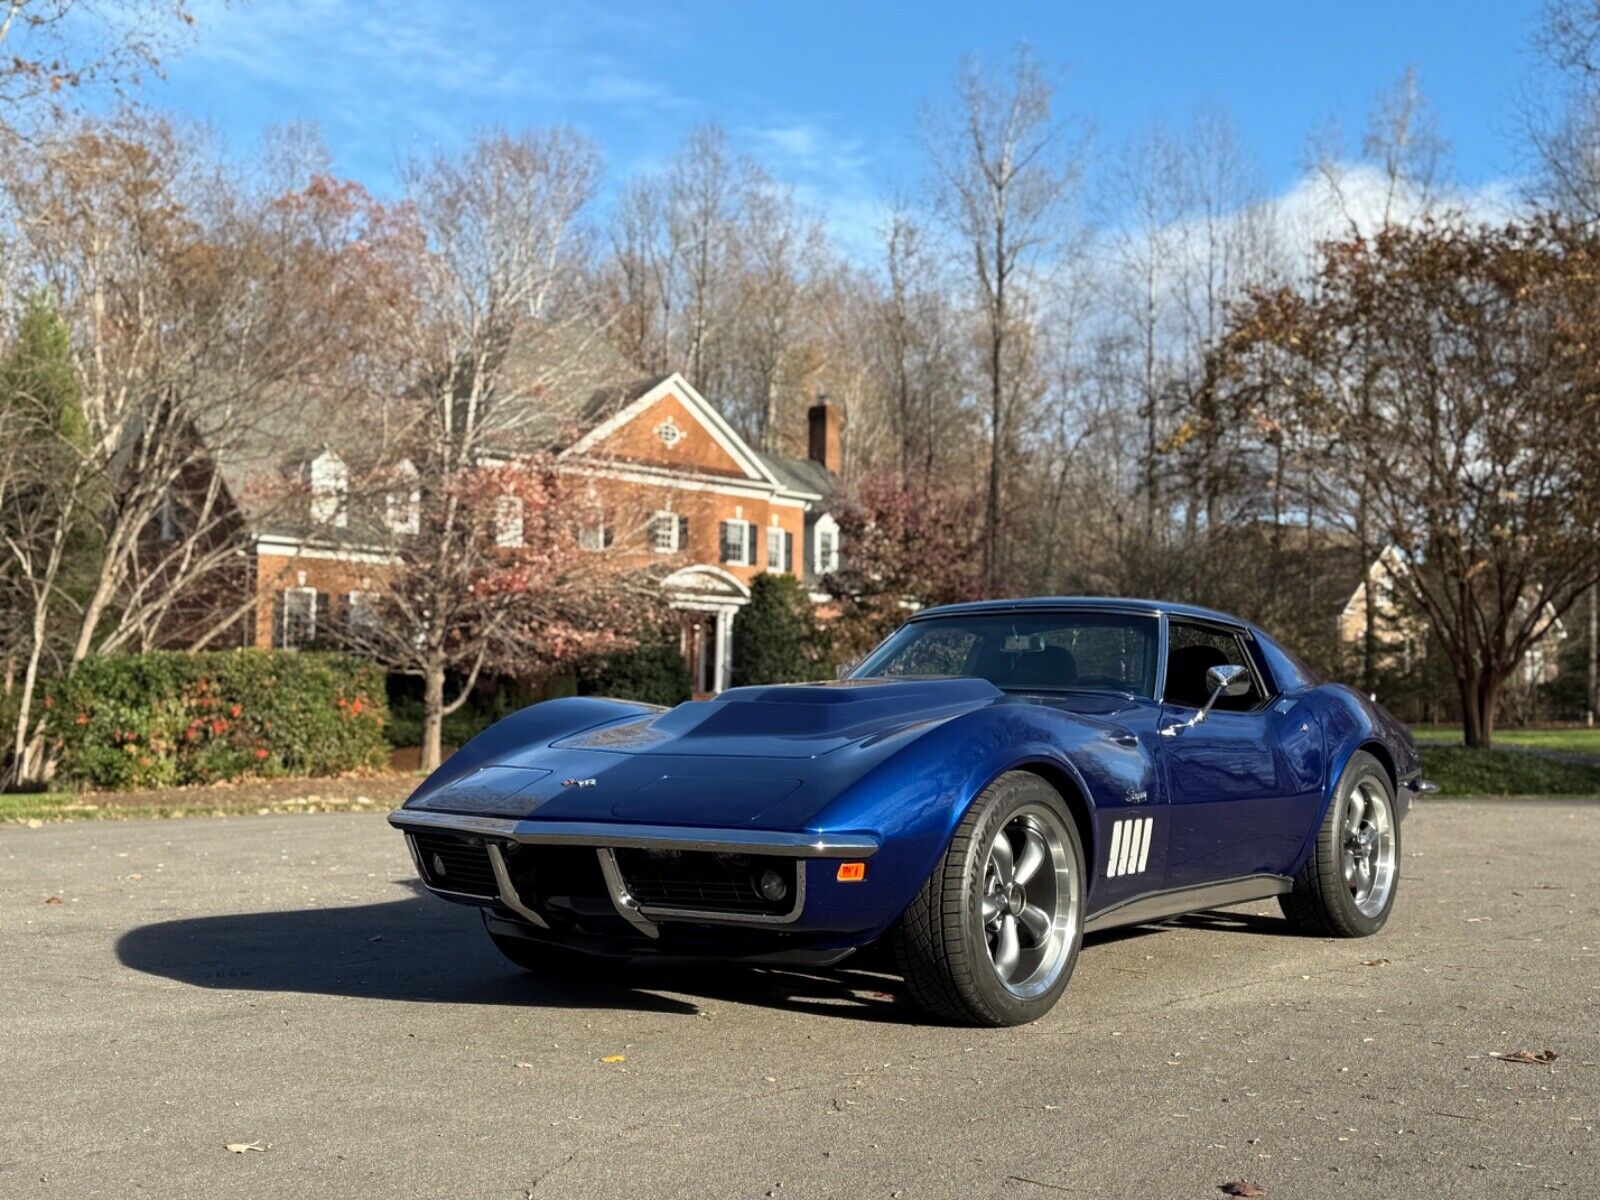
<point>915,800</point>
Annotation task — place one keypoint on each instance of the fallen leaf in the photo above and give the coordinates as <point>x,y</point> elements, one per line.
<point>525,1066</point>
<point>611,1058</point>
<point>1242,1187</point>
<point>242,1147</point>
<point>53,900</point>
<point>1538,1059</point>
<point>1373,962</point>
<point>34,823</point>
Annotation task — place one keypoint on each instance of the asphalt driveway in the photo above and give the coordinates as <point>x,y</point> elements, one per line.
<point>278,982</point>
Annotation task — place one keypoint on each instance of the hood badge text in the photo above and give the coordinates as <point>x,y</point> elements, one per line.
<point>577,783</point>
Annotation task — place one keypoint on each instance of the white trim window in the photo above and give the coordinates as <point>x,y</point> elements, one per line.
<point>361,611</point>
<point>508,522</point>
<point>665,533</point>
<point>825,545</point>
<point>330,490</point>
<point>593,533</point>
<point>780,550</point>
<point>402,503</point>
<point>738,543</point>
<point>299,626</point>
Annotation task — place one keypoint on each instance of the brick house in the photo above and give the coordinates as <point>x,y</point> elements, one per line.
<point>664,480</point>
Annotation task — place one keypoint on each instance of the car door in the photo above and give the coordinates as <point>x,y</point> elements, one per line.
<point>1235,802</point>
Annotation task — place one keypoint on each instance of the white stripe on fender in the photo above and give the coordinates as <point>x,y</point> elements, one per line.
<point>1116,843</point>
<point>1130,846</point>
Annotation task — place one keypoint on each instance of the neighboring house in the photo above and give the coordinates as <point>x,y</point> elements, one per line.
<point>664,482</point>
<point>1401,635</point>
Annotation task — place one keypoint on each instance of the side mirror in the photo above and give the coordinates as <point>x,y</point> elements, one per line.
<point>1229,680</point>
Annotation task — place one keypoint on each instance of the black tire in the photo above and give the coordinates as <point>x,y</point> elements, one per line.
<point>940,942</point>
<point>1322,902</point>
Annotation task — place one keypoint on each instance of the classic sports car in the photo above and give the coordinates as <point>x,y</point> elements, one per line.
<point>991,783</point>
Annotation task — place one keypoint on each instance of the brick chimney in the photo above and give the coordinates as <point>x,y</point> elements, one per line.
<point>826,427</point>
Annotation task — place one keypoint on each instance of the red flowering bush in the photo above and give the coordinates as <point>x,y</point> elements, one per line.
<point>150,720</point>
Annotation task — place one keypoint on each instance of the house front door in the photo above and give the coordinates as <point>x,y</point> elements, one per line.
<point>702,652</point>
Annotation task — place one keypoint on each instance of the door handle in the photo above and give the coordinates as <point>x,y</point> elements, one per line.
<point>1125,739</point>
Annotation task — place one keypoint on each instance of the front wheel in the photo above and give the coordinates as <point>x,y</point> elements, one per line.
<point>993,935</point>
<point>1347,886</point>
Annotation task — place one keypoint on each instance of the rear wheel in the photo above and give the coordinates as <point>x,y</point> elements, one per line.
<point>993,935</point>
<point>1347,886</point>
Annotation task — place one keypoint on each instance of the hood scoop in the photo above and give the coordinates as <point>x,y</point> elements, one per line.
<point>789,720</point>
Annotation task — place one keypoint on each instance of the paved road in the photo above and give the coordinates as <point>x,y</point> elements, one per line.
<point>279,981</point>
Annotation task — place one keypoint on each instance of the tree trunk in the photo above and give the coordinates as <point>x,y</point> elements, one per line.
<point>1480,703</point>
<point>1590,696</point>
<point>432,716</point>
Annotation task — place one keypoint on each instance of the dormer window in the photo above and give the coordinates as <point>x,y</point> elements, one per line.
<point>402,504</point>
<point>330,487</point>
<point>825,549</point>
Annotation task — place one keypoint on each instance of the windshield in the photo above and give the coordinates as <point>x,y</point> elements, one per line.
<point>1035,652</point>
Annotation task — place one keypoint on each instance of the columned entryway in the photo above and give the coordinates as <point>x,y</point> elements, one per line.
<point>706,597</point>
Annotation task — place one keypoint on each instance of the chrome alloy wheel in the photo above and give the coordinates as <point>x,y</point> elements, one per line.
<point>1368,858</point>
<point>1030,901</point>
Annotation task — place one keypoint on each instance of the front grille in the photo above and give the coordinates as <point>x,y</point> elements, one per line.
<point>454,864</point>
<point>704,882</point>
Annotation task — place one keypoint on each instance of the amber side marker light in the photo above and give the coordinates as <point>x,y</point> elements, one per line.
<point>852,872</point>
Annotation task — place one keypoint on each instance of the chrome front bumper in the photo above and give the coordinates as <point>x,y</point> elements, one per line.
<point>606,839</point>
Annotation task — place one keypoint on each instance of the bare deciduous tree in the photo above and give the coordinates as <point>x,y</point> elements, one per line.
<point>195,310</point>
<point>487,573</point>
<point>1004,170</point>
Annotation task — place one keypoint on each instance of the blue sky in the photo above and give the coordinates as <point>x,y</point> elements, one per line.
<point>826,93</point>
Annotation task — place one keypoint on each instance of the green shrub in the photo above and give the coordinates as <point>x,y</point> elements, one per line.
<point>151,720</point>
<point>653,672</point>
<point>777,637</point>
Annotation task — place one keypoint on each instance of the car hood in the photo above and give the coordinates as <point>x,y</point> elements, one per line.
<point>770,756</point>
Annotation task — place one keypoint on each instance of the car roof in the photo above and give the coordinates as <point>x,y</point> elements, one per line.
<point>1086,603</point>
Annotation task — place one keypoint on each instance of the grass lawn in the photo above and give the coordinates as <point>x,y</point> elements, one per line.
<point>1462,772</point>
<point>1574,740</point>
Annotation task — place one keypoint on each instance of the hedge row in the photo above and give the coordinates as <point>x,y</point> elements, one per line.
<point>152,720</point>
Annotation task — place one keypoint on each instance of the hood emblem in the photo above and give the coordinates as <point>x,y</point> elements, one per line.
<point>577,783</point>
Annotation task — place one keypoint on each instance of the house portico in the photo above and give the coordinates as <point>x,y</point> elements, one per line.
<point>706,598</point>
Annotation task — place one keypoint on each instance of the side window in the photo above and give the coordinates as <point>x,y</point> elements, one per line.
<point>1194,650</point>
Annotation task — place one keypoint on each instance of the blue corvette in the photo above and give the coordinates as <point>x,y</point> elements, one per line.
<point>991,783</point>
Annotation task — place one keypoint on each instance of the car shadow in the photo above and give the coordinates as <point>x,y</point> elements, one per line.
<point>1216,920</point>
<point>423,949</point>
